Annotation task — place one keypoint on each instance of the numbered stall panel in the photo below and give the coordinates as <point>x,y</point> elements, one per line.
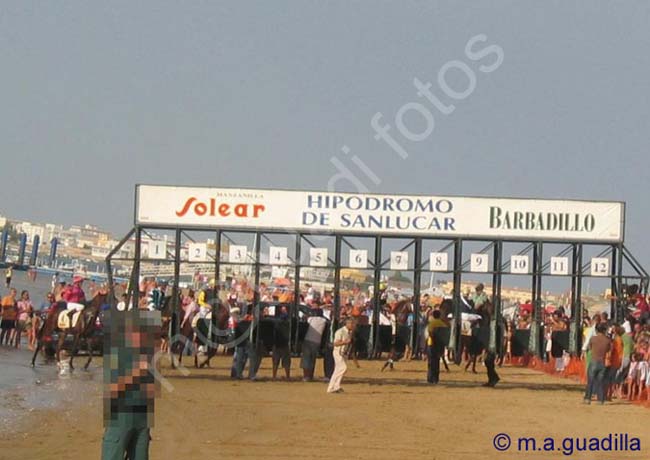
<point>600,266</point>
<point>318,257</point>
<point>358,258</point>
<point>278,255</point>
<point>479,263</point>
<point>439,262</point>
<point>399,260</point>
<point>197,252</point>
<point>156,250</point>
<point>237,254</point>
<point>559,266</point>
<point>520,265</point>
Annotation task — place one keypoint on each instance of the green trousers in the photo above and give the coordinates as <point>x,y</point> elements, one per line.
<point>124,439</point>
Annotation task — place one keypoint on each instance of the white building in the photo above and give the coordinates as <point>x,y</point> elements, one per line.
<point>31,230</point>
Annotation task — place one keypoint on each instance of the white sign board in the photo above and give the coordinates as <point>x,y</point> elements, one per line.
<point>198,252</point>
<point>399,260</point>
<point>479,263</point>
<point>559,265</point>
<point>438,261</point>
<point>519,265</point>
<point>157,250</point>
<point>318,257</point>
<point>600,266</point>
<point>440,216</point>
<point>278,255</point>
<point>358,258</point>
<point>237,254</point>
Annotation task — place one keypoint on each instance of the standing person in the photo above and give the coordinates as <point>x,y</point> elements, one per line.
<point>615,362</point>
<point>587,333</point>
<point>9,314</point>
<point>342,341</point>
<point>281,353</point>
<point>25,311</point>
<point>156,297</point>
<point>600,346</point>
<point>130,386</point>
<point>435,347</point>
<point>9,273</point>
<point>480,297</point>
<point>312,343</point>
<point>628,349</point>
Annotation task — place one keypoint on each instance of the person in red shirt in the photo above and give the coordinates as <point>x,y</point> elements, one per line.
<point>74,293</point>
<point>642,306</point>
<point>74,296</point>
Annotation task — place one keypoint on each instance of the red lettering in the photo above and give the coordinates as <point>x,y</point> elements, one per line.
<point>240,210</point>
<point>212,208</point>
<point>186,207</point>
<point>200,209</point>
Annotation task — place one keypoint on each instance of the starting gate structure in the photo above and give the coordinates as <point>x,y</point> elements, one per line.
<point>327,236</point>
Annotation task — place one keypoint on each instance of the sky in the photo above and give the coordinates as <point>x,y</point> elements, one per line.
<point>99,96</point>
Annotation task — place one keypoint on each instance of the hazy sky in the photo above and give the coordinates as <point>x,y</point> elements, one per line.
<point>99,96</point>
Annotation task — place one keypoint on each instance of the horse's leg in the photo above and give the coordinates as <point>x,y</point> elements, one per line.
<point>181,351</point>
<point>89,350</point>
<point>75,345</point>
<point>59,345</point>
<point>38,348</point>
<point>444,361</point>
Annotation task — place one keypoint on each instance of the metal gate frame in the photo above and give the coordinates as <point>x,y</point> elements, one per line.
<point>619,254</point>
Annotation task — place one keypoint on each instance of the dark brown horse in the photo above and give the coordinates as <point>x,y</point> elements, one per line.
<point>480,332</point>
<point>83,331</point>
<point>195,337</point>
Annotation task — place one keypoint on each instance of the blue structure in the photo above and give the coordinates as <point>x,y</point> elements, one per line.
<point>3,243</point>
<point>54,244</point>
<point>21,250</point>
<point>35,243</point>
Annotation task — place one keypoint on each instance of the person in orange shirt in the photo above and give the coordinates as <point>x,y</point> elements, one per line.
<point>9,314</point>
<point>615,360</point>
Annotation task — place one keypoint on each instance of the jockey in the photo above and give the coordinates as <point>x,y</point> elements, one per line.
<point>204,307</point>
<point>156,297</point>
<point>74,296</point>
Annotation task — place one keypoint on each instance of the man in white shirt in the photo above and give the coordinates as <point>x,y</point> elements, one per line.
<point>342,341</point>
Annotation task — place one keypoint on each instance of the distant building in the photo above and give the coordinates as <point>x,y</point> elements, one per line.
<point>30,230</point>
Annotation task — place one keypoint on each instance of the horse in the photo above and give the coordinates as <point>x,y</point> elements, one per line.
<point>480,331</point>
<point>190,333</point>
<point>83,329</point>
<point>166,314</point>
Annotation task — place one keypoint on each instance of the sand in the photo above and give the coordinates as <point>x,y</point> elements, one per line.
<point>390,415</point>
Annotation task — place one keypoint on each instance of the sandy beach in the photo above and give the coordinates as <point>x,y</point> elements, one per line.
<point>381,415</point>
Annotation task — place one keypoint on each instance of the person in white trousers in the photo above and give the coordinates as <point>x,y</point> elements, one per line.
<point>342,341</point>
